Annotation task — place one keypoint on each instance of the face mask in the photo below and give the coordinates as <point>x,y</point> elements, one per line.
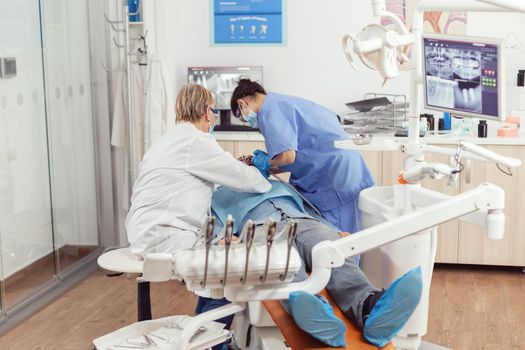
<point>212,125</point>
<point>251,118</point>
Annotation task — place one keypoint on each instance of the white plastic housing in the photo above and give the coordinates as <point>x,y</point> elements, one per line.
<point>495,228</point>
<point>190,266</point>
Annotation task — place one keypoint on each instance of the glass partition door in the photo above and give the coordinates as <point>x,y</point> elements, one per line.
<point>70,121</point>
<point>48,194</point>
<point>26,230</point>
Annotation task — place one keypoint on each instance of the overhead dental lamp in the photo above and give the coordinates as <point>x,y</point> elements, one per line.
<point>380,48</point>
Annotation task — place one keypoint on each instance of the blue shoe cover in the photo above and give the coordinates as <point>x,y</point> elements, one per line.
<point>394,308</point>
<point>314,315</point>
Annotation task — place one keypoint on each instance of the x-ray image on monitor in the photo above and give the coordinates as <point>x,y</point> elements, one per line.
<point>453,78</point>
<point>221,81</point>
<point>462,75</point>
<point>466,64</point>
<point>439,62</point>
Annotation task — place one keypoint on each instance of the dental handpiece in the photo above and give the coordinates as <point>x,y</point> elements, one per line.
<point>454,178</point>
<point>228,233</point>
<point>249,233</point>
<point>272,227</point>
<point>292,232</point>
<point>208,235</point>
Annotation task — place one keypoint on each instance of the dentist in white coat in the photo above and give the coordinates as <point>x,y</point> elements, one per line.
<point>177,176</point>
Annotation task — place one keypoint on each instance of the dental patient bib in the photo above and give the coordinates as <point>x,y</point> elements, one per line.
<point>237,204</point>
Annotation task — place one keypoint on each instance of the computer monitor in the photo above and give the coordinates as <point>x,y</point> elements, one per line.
<point>464,76</point>
<point>221,81</point>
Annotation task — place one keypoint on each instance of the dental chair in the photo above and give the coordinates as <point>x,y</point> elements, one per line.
<point>260,321</point>
<point>262,325</point>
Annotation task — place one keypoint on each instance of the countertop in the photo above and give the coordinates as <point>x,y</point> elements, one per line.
<point>447,139</point>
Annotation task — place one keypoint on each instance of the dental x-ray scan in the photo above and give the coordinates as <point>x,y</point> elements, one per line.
<point>462,76</point>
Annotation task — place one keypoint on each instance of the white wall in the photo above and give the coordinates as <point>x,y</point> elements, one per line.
<point>510,26</point>
<point>311,64</point>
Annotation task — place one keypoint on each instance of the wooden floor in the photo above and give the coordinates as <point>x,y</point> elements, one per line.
<point>23,283</point>
<point>477,309</point>
<point>470,309</point>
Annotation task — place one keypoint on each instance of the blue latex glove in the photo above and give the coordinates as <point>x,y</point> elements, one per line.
<point>315,316</point>
<point>394,308</point>
<point>261,160</point>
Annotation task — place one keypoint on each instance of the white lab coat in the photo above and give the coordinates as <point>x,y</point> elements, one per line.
<point>118,130</point>
<point>159,114</point>
<point>172,194</point>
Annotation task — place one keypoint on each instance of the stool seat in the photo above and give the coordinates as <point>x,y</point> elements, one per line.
<point>120,260</point>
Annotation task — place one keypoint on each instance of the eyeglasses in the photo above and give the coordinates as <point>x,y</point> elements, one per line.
<point>214,110</point>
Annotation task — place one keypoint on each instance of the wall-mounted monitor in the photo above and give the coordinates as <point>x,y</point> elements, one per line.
<point>464,76</point>
<point>221,81</point>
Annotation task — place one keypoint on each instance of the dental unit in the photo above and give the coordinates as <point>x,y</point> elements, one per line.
<point>400,222</point>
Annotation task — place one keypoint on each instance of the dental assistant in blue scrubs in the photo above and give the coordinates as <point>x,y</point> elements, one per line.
<point>299,136</point>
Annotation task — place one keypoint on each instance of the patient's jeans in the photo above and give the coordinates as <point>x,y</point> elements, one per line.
<point>348,284</point>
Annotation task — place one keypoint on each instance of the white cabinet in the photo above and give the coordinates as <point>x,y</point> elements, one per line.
<point>228,146</point>
<point>374,162</point>
<point>447,249</point>
<point>464,243</point>
<point>474,247</point>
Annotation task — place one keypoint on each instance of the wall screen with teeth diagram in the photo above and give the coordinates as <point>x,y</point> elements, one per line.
<point>463,76</point>
<point>248,21</point>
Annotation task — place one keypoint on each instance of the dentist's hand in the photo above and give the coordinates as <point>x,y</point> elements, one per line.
<point>261,160</point>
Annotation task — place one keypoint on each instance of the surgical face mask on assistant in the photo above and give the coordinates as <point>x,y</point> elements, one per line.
<point>250,118</point>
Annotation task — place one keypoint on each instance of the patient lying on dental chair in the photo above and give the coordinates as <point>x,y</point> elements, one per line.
<point>379,313</point>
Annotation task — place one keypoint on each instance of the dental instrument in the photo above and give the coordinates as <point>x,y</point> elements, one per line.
<point>208,235</point>
<point>292,233</point>
<point>269,241</point>
<point>248,234</point>
<point>228,233</point>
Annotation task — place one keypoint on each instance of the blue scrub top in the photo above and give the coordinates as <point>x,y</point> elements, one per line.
<point>327,176</point>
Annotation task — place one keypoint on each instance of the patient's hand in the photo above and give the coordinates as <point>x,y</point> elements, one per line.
<point>344,234</point>
<point>246,159</point>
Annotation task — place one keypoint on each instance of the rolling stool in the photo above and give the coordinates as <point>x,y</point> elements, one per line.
<point>122,260</point>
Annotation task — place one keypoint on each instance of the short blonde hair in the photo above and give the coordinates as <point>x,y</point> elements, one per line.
<point>192,103</point>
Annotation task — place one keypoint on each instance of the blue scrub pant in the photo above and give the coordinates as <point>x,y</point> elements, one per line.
<point>346,217</point>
